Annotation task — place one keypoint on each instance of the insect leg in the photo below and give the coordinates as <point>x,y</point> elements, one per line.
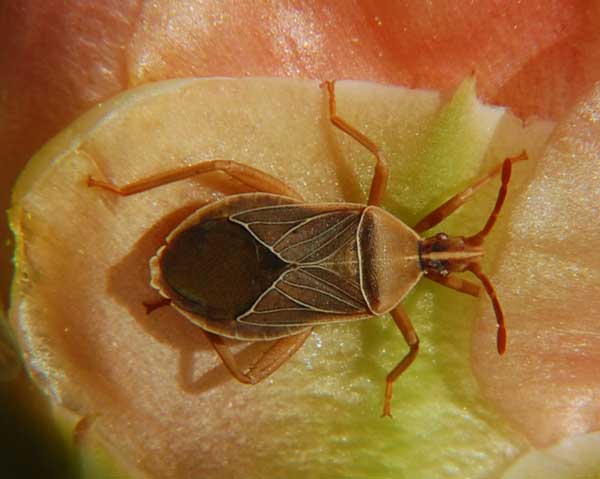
<point>274,357</point>
<point>252,177</point>
<point>501,333</point>
<point>228,359</point>
<point>379,182</point>
<point>410,336</point>
<point>458,284</point>
<point>443,211</point>
<point>266,364</point>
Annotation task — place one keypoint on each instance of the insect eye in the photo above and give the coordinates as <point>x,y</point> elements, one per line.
<point>440,267</point>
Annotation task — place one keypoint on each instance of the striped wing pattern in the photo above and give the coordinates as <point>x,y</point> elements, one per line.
<point>299,234</point>
<point>311,240</point>
<point>306,295</point>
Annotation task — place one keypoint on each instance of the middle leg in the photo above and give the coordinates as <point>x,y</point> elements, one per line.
<point>380,177</point>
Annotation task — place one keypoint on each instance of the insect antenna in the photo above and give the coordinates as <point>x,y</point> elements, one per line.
<point>477,240</point>
<point>461,253</point>
<point>489,289</point>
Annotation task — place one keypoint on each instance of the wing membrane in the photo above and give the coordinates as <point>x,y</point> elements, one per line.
<point>301,234</point>
<point>307,295</point>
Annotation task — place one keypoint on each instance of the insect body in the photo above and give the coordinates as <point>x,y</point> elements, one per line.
<point>268,266</point>
<point>294,265</point>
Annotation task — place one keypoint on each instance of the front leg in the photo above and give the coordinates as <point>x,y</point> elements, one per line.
<point>442,212</point>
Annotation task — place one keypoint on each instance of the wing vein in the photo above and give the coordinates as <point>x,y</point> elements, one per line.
<point>328,283</point>
<point>307,306</point>
<point>346,228</point>
<point>347,219</point>
<point>297,227</point>
<point>324,293</point>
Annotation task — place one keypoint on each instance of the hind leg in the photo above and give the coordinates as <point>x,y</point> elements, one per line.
<point>265,363</point>
<point>252,177</point>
